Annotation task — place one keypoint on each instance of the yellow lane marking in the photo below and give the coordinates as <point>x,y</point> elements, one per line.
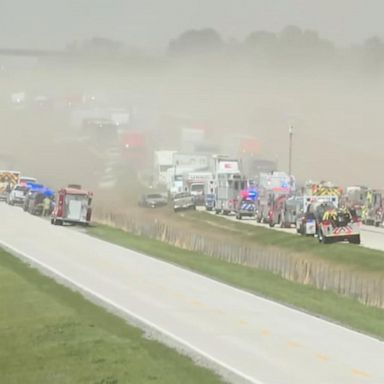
<point>265,332</point>
<point>358,373</point>
<point>243,322</point>
<point>322,357</point>
<point>197,303</point>
<point>293,344</point>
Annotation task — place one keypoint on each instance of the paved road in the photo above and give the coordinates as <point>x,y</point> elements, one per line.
<point>257,339</point>
<point>371,237</point>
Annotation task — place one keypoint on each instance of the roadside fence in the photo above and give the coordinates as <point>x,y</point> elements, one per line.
<point>368,288</point>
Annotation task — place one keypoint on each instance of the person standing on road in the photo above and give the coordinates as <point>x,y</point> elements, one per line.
<point>46,206</point>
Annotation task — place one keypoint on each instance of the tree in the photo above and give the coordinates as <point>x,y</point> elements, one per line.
<point>201,41</point>
<point>373,54</point>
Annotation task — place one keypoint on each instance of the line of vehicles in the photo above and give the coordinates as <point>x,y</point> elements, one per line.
<point>218,183</point>
<point>69,205</point>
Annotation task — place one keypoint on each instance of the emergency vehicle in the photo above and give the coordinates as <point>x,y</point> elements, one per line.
<point>246,205</point>
<point>276,208</point>
<point>228,182</point>
<point>290,211</point>
<point>372,210</point>
<point>306,221</point>
<point>330,223</point>
<point>273,188</point>
<point>73,206</point>
<point>198,185</point>
<point>8,179</point>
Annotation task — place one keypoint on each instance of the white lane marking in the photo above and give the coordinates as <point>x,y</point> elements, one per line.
<point>17,252</point>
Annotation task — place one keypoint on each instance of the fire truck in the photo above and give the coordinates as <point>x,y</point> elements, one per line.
<point>273,188</point>
<point>228,181</point>
<point>73,206</point>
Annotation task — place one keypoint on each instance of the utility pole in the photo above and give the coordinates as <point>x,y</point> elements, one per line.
<point>290,150</point>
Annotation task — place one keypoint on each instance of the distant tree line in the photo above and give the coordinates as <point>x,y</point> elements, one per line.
<point>292,46</point>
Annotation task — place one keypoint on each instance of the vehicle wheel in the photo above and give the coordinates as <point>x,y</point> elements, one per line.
<point>355,239</point>
<point>271,224</point>
<point>53,221</point>
<point>377,224</point>
<point>217,211</point>
<point>59,222</point>
<point>322,239</point>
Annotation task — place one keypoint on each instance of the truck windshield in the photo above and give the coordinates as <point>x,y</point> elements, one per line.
<point>154,196</point>
<point>197,188</point>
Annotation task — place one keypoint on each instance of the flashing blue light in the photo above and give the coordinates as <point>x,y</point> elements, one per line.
<point>252,194</point>
<point>35,187</point>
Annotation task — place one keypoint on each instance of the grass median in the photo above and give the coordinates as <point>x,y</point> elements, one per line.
<point>50,334</point>
<point>349,255</point>
<point>329,305</point>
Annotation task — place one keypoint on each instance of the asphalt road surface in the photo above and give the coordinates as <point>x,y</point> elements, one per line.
<point>256,339</point>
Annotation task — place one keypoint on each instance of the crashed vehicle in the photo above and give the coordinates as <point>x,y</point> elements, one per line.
<point>153,200</point>
<point>183,200</point>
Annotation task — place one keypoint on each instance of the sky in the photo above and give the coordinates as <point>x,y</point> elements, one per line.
<point>150,24</point>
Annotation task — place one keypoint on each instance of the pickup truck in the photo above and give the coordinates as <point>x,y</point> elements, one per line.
<point>183,200</point>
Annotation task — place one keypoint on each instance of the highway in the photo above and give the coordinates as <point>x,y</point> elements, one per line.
<point>256,340</point>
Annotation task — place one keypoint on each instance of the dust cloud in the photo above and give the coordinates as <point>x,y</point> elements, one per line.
<point>332,97</point>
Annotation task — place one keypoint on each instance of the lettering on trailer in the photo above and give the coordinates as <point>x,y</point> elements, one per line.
<point>192,161</point>
<point>229,166</point>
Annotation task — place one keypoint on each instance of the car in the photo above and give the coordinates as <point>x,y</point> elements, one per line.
<point>153,200</point>
<point>17,195</point>
<point>183,200</point>
<point>245,208</point>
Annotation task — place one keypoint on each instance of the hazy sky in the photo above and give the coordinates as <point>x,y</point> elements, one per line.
<point>151,23</point>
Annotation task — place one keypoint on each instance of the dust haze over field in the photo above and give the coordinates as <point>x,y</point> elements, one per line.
<point>258,84</point>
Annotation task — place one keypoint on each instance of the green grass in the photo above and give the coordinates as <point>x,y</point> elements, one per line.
<point>326,304</point>
<point>50,334</point>
<point>351,256</point>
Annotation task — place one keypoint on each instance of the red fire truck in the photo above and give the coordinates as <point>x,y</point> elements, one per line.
<point>73,206</point>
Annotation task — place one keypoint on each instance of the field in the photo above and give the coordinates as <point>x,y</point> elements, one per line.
<point>50,334</point>
<point>329,305</point>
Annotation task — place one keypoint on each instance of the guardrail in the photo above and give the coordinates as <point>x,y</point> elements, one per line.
<point>366,287</point>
